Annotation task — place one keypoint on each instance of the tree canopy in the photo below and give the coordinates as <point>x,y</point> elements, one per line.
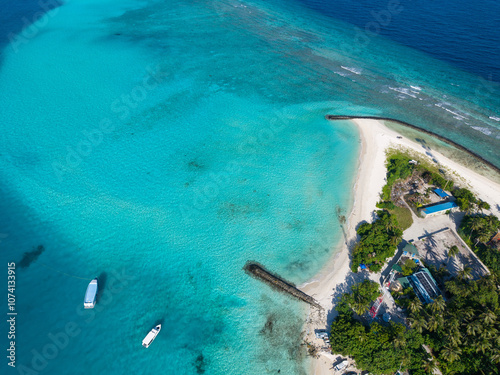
<point>378,241</point>
<point>362,294</point>
<point>463,332</point>
<point>477,230</point>
<point>380,349</point>
<point>465,199</point>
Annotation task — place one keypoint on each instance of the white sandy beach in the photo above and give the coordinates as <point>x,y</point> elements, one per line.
<point>336,278</point>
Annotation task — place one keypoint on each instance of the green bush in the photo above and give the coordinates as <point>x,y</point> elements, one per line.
<point>398,167</point>
<point>388,205</point>
<point>378,241</point>
<point>408,266</point>
<point>375,267</point>
<point>386,192</point>
<point>362,295</point>
<point>465,198</point>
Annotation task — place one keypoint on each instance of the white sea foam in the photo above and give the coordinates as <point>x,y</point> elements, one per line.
<point>458,116</point>
<point>403,90</point>
<point>341,74</point>
<point>485,131</point>
<point>495,118</point>
<point>352,70</point>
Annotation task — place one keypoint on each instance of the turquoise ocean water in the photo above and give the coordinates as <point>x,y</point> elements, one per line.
<point>160,146</point>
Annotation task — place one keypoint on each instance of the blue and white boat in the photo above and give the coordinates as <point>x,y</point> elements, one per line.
<point>91,294</point>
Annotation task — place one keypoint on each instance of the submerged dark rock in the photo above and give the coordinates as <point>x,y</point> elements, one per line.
<point>200,364</point>
<point>31,256</point>
<point>268,326</point>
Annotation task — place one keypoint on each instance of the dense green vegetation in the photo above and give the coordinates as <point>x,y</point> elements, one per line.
<point>468,202</point>
<point>380,349</point>
<point>464,332</point>
<point>404,297</point>
<point>408,266</point>
<point>386,205</point>
<point>398,167</point>
<point>476,230</point>
<point>362,295</point>
<point>465,198</point>
<point>378,242</point>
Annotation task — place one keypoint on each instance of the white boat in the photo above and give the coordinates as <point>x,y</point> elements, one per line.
<point>151,336</point>
<point>91,294</point>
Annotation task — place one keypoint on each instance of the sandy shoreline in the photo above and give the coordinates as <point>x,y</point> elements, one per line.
<point>336,277</point>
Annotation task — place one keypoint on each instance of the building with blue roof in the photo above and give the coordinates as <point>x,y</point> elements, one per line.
<point>424,285</point>
<point>438,208</point>
<point>441,193</point>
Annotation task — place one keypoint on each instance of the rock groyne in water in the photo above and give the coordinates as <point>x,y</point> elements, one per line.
<point>258,271</point>
<point>411,126</point>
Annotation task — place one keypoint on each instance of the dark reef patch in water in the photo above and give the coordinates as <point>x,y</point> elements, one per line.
<point>281,336</point>
<point>196,165</point>
<point>241,210</point>
<point>268,326</point>
<point>31,256</point>
<point>200,364</point>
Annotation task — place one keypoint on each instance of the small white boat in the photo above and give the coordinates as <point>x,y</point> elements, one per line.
<point>151,336</point>
<point>91,294</point>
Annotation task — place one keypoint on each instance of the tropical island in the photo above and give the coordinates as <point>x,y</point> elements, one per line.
<point>415,287</point>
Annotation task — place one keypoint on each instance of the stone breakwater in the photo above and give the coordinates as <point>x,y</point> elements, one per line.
<point>259,272</point>
<point>440,137</point>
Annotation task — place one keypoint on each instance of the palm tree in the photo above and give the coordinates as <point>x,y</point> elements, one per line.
<point>488,317</point>
<point>483,205</point>
<point>495,357</point>
<point>464,273</point>
<point>453,324</point>
<point>453,252</point>
<point>418,324</point>
<point>451,353</point>
<point>429,365</point>
<point>415,305</point>
<point>475,328</point>
<point>432,324</point>
<point>474,225</point>
<point>483,237</point>
<point>395,240</point>
<point>496,339</point>
<point>490,333</point>
<point>468,312</point>
<point>454,337</point>
<point>483,346</point>
<point>358,307</point>
<point>438,304</point>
